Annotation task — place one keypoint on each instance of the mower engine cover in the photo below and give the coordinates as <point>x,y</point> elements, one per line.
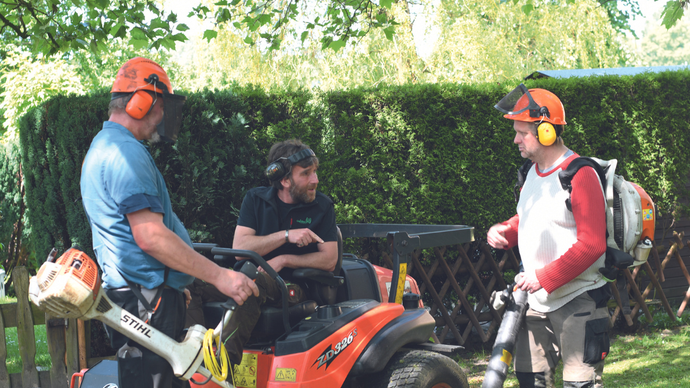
<point>68,287</point>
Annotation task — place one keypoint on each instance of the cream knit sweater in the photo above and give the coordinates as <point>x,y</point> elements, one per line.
<point>547,231</point>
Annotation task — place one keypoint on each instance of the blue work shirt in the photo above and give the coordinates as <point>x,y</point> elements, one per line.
<point>119,177</point>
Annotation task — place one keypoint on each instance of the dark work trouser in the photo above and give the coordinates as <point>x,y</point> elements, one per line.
<point>169,319</point>
<point>245,317</point>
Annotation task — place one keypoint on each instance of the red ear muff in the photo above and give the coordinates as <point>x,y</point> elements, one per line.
<point>139,104</point>
<point>546,134</point>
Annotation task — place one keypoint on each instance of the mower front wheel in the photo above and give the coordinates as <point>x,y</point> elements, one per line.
<point>421,369</point>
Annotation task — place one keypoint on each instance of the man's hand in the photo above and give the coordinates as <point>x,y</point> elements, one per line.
<point>496,237</point>
<point>187,297</point>
<point>529,282</point>
<point>236,285</point>
<point>303,237</point>
<point>277,263</point>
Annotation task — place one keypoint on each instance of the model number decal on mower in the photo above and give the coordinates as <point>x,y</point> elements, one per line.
<point>330,354</point>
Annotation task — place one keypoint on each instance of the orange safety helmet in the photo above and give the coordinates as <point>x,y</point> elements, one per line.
<point>535,105</point>
<point>141,81</point>
<point>135,75</point>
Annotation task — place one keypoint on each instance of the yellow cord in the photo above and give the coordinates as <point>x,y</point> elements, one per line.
<point>220,372</point>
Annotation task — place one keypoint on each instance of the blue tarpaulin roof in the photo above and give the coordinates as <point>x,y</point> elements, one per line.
<point>611,71</point>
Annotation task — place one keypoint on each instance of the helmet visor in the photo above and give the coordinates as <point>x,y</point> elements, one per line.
<point>169,127</point>
<point>518,101</point>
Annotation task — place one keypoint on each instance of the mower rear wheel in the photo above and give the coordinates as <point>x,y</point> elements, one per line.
<point>421,369</point>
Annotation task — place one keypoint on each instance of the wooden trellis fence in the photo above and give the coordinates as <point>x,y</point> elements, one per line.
<point>61,337</point>
<point>465,314</point>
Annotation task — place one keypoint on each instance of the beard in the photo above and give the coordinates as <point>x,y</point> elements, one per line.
<point>155,137</point>
<point>301,194</point>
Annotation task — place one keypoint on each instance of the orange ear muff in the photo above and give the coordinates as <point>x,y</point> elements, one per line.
<point>546,134</point>
<point>139,104</point>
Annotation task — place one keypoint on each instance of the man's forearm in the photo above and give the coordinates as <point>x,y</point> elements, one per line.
<point>262,245</point>
<point>170,250</point>
<point>325,259</point>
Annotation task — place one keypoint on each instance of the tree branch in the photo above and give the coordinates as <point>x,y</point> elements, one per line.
<point>14,27</point>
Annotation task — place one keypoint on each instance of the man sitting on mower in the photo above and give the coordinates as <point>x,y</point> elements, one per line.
<point>290,224</point>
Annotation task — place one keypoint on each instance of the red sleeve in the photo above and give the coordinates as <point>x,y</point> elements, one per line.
<point>590,218</point>
<point>511,234</point>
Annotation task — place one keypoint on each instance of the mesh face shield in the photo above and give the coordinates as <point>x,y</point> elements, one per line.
<point>169,127</point>
<point>519,104</point>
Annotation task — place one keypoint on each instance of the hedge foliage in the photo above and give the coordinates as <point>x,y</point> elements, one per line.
<point>427,154</point>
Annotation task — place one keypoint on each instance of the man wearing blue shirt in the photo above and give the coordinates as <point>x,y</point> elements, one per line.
<point>142,247</point>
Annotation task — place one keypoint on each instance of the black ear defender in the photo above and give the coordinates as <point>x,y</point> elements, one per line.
<point>281,167</point>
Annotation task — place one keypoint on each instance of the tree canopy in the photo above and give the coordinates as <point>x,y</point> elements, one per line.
<point>51,26</point>
<point>478,41</point>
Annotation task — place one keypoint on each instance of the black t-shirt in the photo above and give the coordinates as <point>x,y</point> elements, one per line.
<point>262,211</point>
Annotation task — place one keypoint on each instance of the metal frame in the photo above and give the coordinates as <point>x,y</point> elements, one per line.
<point>404,239</point>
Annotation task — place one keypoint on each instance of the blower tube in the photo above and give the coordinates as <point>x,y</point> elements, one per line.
<point>502,354</point>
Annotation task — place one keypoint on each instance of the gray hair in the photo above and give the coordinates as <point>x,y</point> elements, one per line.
<point>116,105</point>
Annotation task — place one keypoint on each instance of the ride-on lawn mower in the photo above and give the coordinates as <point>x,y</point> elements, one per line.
<point>355,333</point>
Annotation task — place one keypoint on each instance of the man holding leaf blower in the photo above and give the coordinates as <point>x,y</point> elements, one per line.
<point>561,250</point>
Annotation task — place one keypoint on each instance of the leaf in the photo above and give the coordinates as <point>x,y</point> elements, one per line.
<point>158,23</point>
<point>179,37</point>
<point>386,3</point>
<point>182,27</point>
<point>673,11</point>
<point>210,34</point>
<point>325,42</point>
<point>138,43</point>
<point>389,31</point>
<point>336,45</point>
<point>115,29</point>
<point>527,8</point>
<point>264,19</point>
<point>304,36</point>
<point>168,44</point>
<point>138,34</point>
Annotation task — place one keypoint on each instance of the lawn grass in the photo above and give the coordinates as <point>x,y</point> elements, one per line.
<point>650,358</point>
<point>657,359</point>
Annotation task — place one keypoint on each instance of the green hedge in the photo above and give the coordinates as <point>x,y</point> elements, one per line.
<point>428,154</point>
